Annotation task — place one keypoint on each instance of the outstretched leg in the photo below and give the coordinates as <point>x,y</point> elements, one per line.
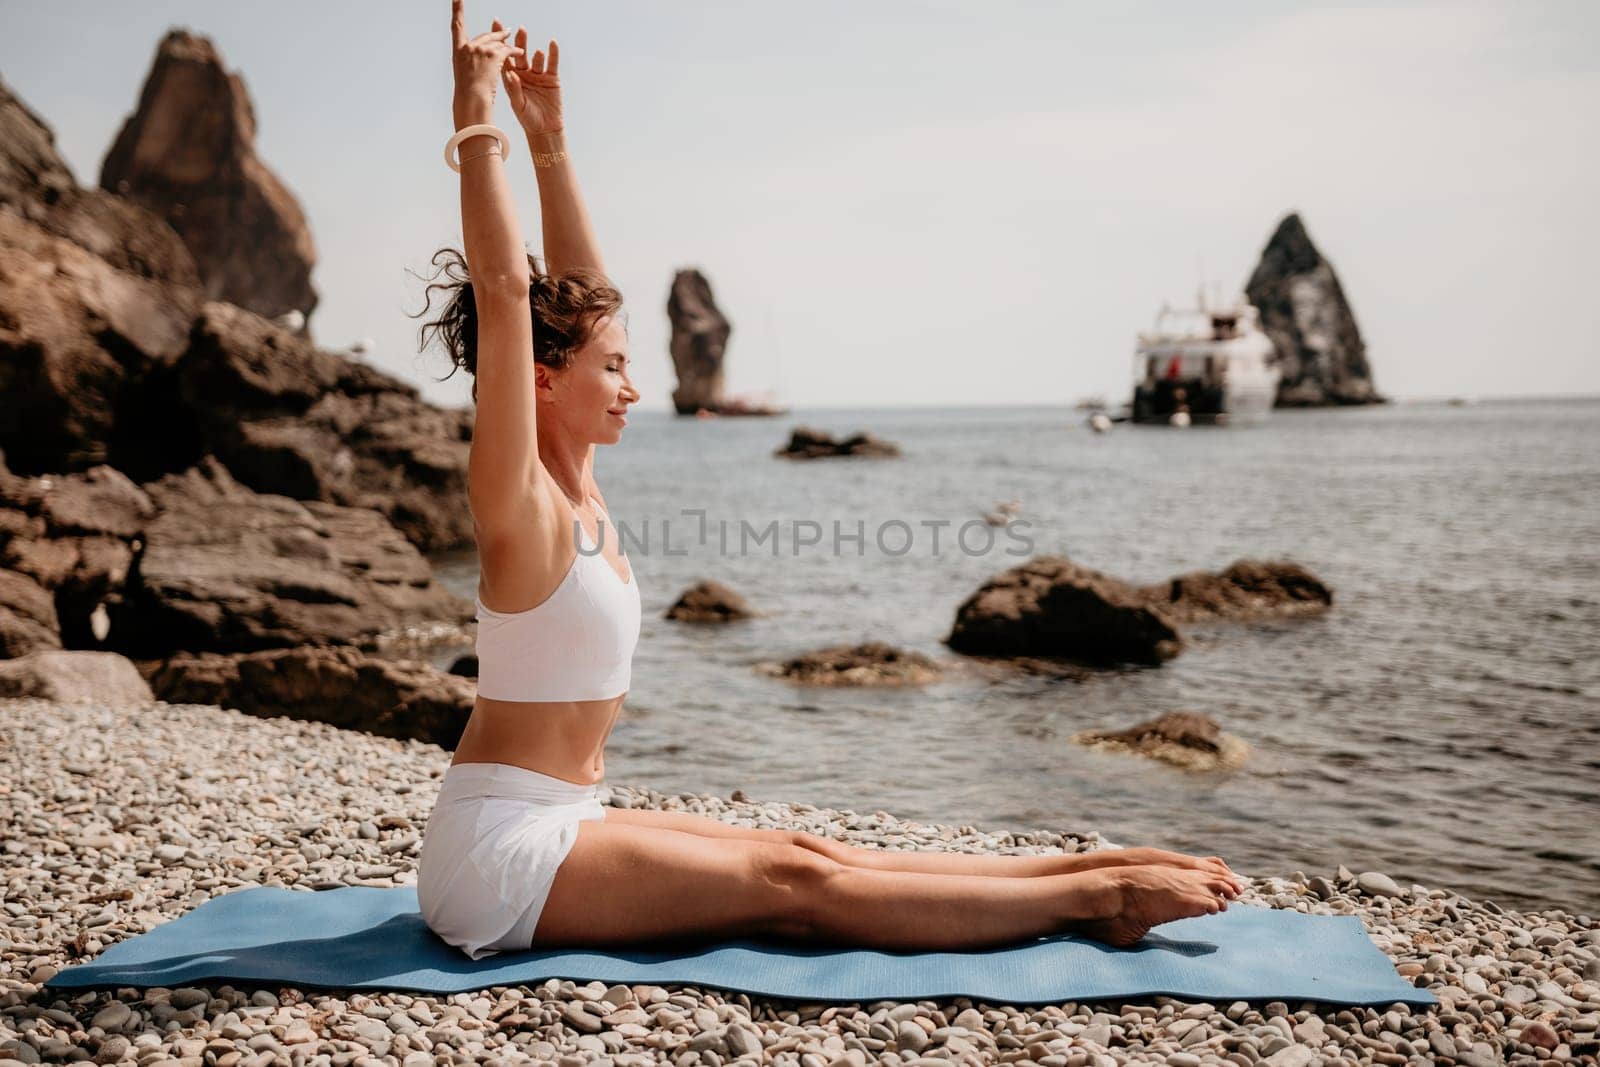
<point>921,862</point>
<point>989,865</point>
<point>635,885</point>
<point>900,911</point>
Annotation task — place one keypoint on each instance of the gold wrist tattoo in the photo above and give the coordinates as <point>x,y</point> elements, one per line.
<point>548,159</point>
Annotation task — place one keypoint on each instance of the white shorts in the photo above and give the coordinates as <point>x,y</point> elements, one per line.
<point>490,852</point>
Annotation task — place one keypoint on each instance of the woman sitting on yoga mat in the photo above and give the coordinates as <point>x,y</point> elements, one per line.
<point>518,851</point>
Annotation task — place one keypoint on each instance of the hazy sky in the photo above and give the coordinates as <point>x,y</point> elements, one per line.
<point>937,202</point>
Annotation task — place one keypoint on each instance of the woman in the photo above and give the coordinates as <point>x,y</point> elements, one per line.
<point>519,852</point>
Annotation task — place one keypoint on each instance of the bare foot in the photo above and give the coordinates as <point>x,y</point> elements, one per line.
<point>1148,895</point>
<point>1133,857</point>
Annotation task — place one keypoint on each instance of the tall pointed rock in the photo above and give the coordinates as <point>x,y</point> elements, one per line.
<point>699,343</point>
<point>1304,311</point>
<point>188,154</point>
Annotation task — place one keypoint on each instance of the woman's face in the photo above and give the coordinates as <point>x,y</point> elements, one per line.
<point>590,398</point>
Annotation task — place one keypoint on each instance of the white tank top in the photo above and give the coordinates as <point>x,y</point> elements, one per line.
<point>576,645</point>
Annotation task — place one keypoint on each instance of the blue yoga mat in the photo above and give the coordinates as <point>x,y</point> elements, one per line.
<point>359,937</point>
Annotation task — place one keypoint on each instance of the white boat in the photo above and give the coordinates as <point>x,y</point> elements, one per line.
<point>1206,364</point>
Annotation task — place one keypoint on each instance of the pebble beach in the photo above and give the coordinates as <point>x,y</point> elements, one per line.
<point>116,820</point>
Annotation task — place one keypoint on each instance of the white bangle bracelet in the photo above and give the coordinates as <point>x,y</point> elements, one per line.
<point>474,131</point>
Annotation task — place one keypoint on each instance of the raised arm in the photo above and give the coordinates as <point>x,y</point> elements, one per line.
<point>535,95</point>
<point>504,442</point>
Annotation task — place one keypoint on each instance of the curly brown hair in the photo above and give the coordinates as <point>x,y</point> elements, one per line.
<point>565,308</point>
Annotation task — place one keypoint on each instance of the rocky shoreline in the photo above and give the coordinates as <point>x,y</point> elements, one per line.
<point>119,819</point>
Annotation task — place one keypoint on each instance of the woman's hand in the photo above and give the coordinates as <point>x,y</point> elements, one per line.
<point>533,87</point>
<point>477,62</point>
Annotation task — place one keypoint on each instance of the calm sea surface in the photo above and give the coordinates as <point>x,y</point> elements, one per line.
<point>1441,723</point>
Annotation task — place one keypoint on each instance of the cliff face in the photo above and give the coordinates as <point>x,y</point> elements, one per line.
<point>111,354</point>
<point>1304,311</point>
<point>188,155</point>
<point>699,342</point>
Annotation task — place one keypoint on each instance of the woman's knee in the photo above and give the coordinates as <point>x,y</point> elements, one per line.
<point>800,878</point>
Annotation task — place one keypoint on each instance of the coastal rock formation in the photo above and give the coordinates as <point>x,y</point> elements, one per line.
<point>1304,311</point>
<point>79,339</point>
<point>188,154</point>
<point>226,569</point>
<point>120,360</point>
<point>709,601</point>
<point>699,342</point>
<point>807,443</point>
<point>67,544</point>
<point>1246,590</point>
<point>1182,738</point>
<point>342,686</point>
<point>288,418</point>
<point>76,678</point>
<point>1050,607</point>
<point>28,620</point>
<point>872,663</point>
<point>37,185</point>
<point>197,561</point>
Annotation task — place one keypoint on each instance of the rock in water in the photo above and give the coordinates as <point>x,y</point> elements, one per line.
<point>871,663</point>
<point>188,154</point>
<point>808,443</point>
<point>710,601</point>
<point>699,343</point>
<point>1304,311</point>
<point>1248,589</point>
<point>1184,738</point>
<point>1052,607</point>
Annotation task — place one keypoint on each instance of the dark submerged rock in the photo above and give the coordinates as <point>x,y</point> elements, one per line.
<point>1246,590</point>
<point>808,443</point>
<point>871,663</point>
<point>710,601</point>
<point>1052,607</point>
<point>1182,738</point>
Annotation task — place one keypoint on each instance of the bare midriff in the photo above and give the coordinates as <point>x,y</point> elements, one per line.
<point>562,738</point>
<point>565,739</point>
